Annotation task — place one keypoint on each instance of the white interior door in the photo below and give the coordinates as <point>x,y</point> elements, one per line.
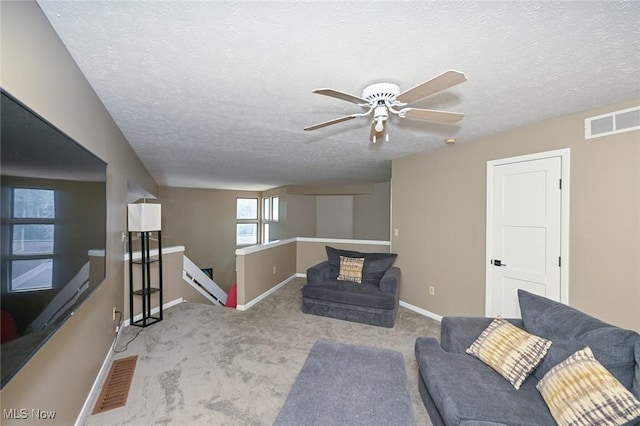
<point>524,231</point>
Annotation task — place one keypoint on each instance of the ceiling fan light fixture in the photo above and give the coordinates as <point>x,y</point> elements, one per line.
<point>379,126</point>
<point>385,98</point>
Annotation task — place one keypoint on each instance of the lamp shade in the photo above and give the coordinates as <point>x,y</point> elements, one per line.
<point>144,217</point>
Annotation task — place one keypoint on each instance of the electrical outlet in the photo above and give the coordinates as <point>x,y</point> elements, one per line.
<point>113,317</point>
<point>432,290</point>
<point>275,269</point>
<point>396,232</point>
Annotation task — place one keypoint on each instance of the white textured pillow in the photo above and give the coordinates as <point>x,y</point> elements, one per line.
<point>580,391</point>
<point>351,269</point>
<point>509,350</point>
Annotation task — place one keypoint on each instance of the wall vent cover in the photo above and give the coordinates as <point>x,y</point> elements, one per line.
<point>614,122</point>
<point>116,387</point>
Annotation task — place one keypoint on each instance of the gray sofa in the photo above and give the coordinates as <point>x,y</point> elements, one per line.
<point>459,389</point>
<point>374,301</point>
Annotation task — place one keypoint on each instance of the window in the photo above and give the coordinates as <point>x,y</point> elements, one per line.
<point>270,213</point>
<point>246,234</point>
<point>247,208</point>
<point>275,209</point>
<point>246,221</point>
<point>265,233</point>
<point>266,208</point>
<point>32,239</point>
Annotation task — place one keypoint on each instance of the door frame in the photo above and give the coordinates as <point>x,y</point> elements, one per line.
<point>565,161</point>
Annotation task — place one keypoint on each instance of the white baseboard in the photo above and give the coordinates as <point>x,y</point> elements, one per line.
<point>301,275</point>
<point>421,311</point>
<point>266,293</point>
<point>106,364</point>
<point>154,310</point>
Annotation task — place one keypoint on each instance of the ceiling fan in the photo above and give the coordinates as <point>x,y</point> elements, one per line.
<point>380,99</point>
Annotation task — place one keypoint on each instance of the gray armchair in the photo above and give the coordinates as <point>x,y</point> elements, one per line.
<point>375,301</point>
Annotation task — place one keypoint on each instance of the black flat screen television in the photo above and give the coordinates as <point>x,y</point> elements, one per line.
<point>53,231</point>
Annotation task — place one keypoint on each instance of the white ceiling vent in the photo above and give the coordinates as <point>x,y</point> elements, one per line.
<point>612,123</point>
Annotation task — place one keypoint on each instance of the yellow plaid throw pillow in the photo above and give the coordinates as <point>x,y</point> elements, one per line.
<point>580,391</point>
<point>351,269</point>
<point>509,350</point>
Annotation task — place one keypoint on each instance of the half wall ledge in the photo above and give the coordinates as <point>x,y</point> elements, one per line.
<point>262,267</point>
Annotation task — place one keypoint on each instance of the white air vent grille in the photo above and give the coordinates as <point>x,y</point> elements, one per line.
<point>612,123</point>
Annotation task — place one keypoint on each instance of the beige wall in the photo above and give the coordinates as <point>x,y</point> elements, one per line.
<point>439,209</point>
<point>310,253</point>
<point>301,216</point>
<point>372,213</point>
<point>334,216</point>
<point>263,270</point>
<point>204,222</point>
<point>38,70</point>
<point>331,189</point>
<point>349,211</point>
<point>330,211</point>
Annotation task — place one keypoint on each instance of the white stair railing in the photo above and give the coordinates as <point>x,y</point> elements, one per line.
<point>202,283</point>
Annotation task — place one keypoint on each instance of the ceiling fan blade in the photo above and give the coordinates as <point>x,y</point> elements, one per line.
<point>437,84</point>
<point>341,95</point>
<point>334,121</point>
<point>432,115</point>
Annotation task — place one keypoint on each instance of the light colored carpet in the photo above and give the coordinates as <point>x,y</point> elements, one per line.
<point>210,365</point>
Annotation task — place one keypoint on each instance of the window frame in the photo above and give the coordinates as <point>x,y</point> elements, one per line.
<point>275,211</point>
<point>270,214</point>
<point>266,229</point>
<point>266,208</point>
<point>12,257</point>
<point>248,221</point>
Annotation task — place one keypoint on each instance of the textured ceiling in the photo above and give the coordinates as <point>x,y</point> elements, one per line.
<point>216,94</point>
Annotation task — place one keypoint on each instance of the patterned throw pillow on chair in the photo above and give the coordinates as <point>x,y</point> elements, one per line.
<point>351,269</point>
<point>580,391</point>
<point>509,350</point>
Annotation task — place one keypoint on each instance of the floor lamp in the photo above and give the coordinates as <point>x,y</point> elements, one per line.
<point>145,219</point>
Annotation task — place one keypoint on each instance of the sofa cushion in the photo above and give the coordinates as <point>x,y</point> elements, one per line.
<point>350,293</point>
<point>351,269</point>
<point>581,391</point>
<point>509,350</point>
<point>636,378</point>
<point>375,264</point>
<point>571,330</point>
<point>558,352</point>
<point>468,392</point>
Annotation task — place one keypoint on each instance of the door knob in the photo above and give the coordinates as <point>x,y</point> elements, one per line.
<point>498,262</point>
